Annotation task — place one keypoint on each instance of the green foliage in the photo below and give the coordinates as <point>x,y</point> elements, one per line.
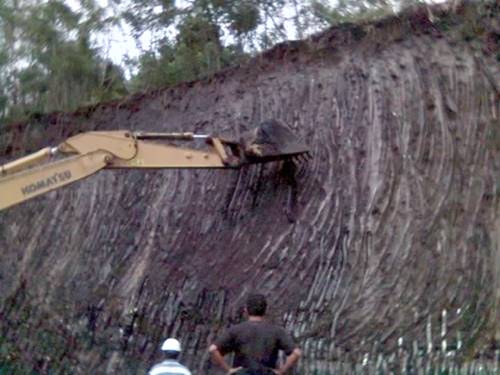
<point>197,49</point>
<point>209,35</point>
<point>197,31</point>
<point>244,17</point>
<point>48,58</point>
<point>185,60</point>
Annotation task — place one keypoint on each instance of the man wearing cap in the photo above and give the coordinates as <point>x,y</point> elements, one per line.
<point>170,366</point>
<point>255,344</point>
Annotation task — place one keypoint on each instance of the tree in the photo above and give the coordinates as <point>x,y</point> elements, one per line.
<point>50,60</point>
<point>196,38</point>
<point>197,48</point>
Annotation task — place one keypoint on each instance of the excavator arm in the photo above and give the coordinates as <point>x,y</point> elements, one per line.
<point>87,153</point>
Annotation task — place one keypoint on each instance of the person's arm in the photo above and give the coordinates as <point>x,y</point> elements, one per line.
<point>291,360</point>
<point>291,349</point>
<point>218,359</point>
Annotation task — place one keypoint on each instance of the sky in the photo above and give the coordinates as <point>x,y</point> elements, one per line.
<point>117,43</point>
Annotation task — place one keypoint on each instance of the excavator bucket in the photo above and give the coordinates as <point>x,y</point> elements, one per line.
<point>270,141</point>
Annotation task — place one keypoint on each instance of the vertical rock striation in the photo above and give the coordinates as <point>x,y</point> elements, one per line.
<point>396,215</point>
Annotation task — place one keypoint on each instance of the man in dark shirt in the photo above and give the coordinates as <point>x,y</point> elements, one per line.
<point>255,343</point>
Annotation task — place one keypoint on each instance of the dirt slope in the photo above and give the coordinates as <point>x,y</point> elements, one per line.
<point>396,221</point>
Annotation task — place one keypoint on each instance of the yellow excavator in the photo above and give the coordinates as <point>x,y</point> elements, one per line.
<point>87,153</point>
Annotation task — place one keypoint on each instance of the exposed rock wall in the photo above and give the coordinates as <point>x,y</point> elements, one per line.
<point>395,221</point>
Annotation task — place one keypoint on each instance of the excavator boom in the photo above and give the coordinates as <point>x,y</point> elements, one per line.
<point>88,153</point>
<point>33,182</point>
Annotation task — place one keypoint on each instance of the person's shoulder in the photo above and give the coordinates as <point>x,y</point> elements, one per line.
<point>266,326</point>
<point>272,326</point>
<point>169,367</point>
<point>239,326</point>
<point>183,369</point>
<point>278,330</point>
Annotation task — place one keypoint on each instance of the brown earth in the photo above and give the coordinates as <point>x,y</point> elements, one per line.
<point>396,217</point>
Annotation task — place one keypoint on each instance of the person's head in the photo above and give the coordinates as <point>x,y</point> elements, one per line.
<point>172,348</point>
<point>256,305</point>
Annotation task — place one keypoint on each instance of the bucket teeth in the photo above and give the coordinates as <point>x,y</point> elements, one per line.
<point>301,158</point>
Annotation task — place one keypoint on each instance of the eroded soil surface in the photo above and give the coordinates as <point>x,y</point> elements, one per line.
<point>393,220</point>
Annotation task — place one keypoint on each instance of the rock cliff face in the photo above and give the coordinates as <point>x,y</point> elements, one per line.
<point>396,215</point>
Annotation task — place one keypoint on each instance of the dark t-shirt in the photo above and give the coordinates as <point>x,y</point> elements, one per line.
<point>255,344</point>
